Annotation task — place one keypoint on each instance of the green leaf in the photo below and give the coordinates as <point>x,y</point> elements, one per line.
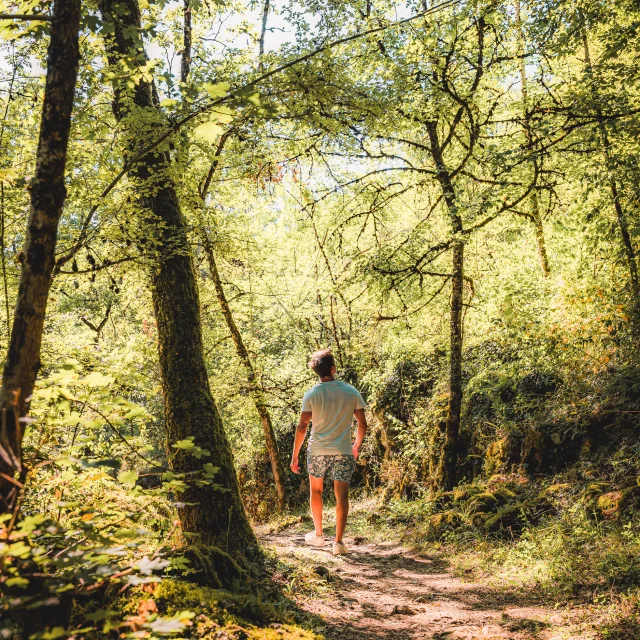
<point>168,102</point>
<point>217,90</point>
<point>209,131</point>
<point>56,632</point>
<point>128,477</point>
<point>185,444</point>
<point>249,95</point>
<point>100,614</point>
<point>135,412</point>
<point>17,582</point>
<point>96,379</point>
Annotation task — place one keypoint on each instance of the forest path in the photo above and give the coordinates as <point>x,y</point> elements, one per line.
<point>384,591</point>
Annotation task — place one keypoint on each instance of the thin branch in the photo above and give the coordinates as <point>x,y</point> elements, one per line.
<point>25,16</point>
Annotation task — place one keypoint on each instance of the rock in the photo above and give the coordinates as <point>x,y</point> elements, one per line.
<point>484,502</point>
<point>427,597</point>
<point>441,522</point>
<point>321,571</point>
<point>593,492</point>
<point>514,517</point>
<point>525,624</point>
<point>614,504</point>
<point>466,491</point>
<point>403,610</point>
<point>504,495</point>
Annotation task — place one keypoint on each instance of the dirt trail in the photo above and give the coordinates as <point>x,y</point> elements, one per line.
<point>386,592</point>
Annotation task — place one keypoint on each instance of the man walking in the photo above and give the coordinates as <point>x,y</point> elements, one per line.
<point>330,406</point>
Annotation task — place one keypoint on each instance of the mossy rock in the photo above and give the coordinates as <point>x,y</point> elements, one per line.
<point>514,482</point>
<point>556,490</point>
<point>466,491</point>
<point>539,507</point>
<point>442,522</point>
<point>510,518</point>
<point>593,492</point>
<point>442,499</point>
<point>514,517</point>
<point>222,606</point>
<point>614,504</point>
<point>211,567</point>
<point>484,502</point>
<point>607,505</point>
<point>504,495</point>
<point>479,519</point>
<point>496,456</point>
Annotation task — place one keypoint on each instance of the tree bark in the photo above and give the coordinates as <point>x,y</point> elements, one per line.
<point>621,215</point>
<point>216,516</point>
<point>255,391</point>
<point>185,62</point>
<point>48,193</point>
<point>447,469</point>
<point>534,207</point>
<point>263,30</point>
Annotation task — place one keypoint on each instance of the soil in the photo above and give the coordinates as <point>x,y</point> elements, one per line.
<point>384,591</point>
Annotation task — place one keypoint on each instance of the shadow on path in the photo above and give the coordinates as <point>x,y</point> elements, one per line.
<point>386,592</point>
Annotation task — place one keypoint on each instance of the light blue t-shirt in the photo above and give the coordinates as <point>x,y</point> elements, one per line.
<point>332,405</point>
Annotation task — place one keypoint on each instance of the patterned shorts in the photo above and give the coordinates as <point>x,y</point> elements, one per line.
<point>333,467</point>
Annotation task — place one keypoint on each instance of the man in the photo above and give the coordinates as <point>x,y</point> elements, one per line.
<point>330,406</point>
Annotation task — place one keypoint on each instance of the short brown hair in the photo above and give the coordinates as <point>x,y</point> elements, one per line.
<point>322,362</point>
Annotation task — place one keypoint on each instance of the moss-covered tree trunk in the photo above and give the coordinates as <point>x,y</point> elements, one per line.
<point>447,468</point>
<point>215,516</point>
<point>48,193</point>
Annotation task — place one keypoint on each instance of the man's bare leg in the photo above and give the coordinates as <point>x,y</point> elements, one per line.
<point>342,507</point>
<point>315,486</point>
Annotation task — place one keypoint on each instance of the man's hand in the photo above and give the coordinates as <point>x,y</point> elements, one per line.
<point>362,429</point>
<point>301,433</point>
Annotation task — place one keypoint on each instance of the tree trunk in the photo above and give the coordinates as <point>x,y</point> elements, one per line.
<point>185,63</point>
<point>254,390</point>
<point>534,208</point>
<point>621,216</point>
<point>263,30</point>
<point>215,516</point>
<point>48,193</point>
<point>448,466</point>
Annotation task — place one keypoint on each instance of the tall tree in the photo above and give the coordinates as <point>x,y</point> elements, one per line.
<point>255,391</point>
<point>215,514</point>
<point>48,193</point>
<point>534,204</point>
<point>621,215</point>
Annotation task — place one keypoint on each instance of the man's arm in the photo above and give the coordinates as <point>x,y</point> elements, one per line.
<point>301,434</point>
<point>361,419</point>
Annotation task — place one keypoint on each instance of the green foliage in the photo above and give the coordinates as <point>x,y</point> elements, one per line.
<point>87,523</point>
<point>165,610</point>
<point>330,227</point>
